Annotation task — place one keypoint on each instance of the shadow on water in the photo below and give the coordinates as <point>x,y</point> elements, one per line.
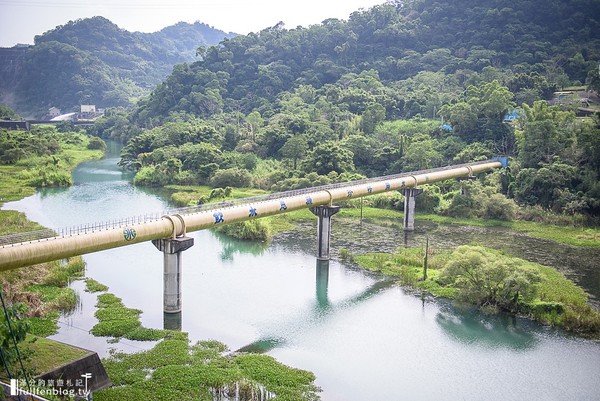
<point>172,321</point>
<point>469,326</point>
<point>230,246</point>
<point>320,310</point>
<point>579,264</point>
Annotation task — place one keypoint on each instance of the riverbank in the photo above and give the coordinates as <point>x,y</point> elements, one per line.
<point>43,287</point>
<point>491,280</point>
<point>247,375</point>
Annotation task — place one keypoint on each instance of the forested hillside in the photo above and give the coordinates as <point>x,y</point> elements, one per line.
<point>93,61</point>
<point>401,86</point>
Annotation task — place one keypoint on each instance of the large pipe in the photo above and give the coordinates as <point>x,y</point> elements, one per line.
<point>29,253</point>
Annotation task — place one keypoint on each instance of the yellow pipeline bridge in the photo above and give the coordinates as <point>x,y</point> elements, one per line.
<point>25,249</point>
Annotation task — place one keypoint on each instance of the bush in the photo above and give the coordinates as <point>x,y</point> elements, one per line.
<point>499,207</point>
<point>488,278</point>
<point>251,230</point>
<point>51,178</point>
<point>96,144</point>
<point>234,177</point>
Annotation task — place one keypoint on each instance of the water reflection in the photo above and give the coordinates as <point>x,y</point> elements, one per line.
<point>322,283</point>
<point>172,321</point>
<point>469,326</point>
<point>230,246</point>
<point>314,315</point>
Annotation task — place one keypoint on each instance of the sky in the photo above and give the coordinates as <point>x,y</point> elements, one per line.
<point>21,20</point>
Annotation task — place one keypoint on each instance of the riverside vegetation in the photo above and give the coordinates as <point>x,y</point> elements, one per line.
<point>491,280</point>
<point>36,297</point>
<point>293,108</point>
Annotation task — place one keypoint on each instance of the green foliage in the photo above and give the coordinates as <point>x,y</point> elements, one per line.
<point>14,330</point>
<point>487,278</point>
<point>547,186</point>
<point>6,113</point>
<point>250,230</point>
<point>287,383</point>
<point>476,199</point>
<point>328,157</point>
<point>116,320</point>
<point>175,370</point>
<point>547,132</point>
<point>234,177</point>
<point>61,274</point>
<point>96,144</point>
<point>92,285</point>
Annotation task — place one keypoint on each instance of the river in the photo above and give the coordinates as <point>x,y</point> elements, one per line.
<point>363,336</point>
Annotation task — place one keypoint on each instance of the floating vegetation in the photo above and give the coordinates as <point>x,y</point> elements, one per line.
<point>174,370</point>
<point>116,320</point>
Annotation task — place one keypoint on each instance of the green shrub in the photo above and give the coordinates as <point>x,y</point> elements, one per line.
<point>498,207</point>
<point>488,278</point>
<point>96,144</point>
<point>252,230</point>
<point>234,177</point>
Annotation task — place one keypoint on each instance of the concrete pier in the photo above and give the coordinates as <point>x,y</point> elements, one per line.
<point>324,214</point>
<point>172,249</point>
<point>409,207</point>
<point>322,281</point>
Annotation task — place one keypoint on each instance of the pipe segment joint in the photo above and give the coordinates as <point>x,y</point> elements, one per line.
<point>178,224</point>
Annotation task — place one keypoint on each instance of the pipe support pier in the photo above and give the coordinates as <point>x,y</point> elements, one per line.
<point>172,249</point>
<point>324,214</point>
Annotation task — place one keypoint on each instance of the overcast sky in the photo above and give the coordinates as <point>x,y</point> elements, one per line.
<point>21,20</point>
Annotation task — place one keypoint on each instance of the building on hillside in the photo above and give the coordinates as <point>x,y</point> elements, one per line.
<point>53,112</point>
<point>88,108</point>
<point>511,117</point>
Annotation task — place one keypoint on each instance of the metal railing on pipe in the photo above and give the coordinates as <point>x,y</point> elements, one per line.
<point>303,191</point>
<point>78,229</point>
<point>32,236</point>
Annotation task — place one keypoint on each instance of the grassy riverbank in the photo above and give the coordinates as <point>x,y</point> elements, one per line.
<point>55,156</point>
<point>41,158</point>
<point>492,280</point>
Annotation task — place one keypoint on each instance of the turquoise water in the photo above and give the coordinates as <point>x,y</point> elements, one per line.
<point>364,337</point>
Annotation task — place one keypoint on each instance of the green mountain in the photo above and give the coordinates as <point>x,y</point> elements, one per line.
<point>557,40</point>
<point>93,61</point>
<point>288,108</point>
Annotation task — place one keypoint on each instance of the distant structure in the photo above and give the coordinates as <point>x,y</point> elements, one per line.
<point>88,108</point>
<point>14,125</point>
<point>65,117</point>
<point>511,117</point>
<point>53,112</point>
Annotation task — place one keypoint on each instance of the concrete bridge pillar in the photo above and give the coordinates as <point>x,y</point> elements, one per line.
<point>409,207</point>
<point>172,249</point>
<point>324,214</point>
<point>322,283</point>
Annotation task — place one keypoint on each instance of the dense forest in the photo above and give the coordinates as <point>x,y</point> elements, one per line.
<point>93,61</point>
<point>402,86</point>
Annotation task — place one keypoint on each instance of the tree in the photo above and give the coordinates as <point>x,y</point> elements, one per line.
<point>546,132</point>
<point>327,157</point>
<point>6,113</point>
<point>372,117</point>
<point>545,186</point>
<point>19,327</point>
<point>420,155</point>
<point>490,279</point>
<point>295,149</point>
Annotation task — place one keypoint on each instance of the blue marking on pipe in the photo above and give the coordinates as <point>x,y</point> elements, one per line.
<point>218,217</point>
